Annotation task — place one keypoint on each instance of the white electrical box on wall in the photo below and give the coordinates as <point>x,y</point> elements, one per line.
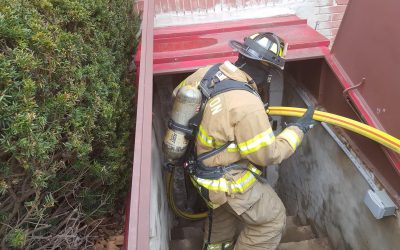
<point>379,203</point>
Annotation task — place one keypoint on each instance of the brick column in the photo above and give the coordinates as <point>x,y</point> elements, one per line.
<point>328,16</point>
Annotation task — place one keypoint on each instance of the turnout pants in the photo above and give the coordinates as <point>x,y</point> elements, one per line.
<point>259,227</point>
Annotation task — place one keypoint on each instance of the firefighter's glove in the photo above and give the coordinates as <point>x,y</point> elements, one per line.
<point>305,123</point>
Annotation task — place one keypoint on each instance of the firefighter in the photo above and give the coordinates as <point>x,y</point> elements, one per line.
<point>234,141</point>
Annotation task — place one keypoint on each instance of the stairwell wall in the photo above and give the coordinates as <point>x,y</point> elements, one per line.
<point>321,185</point>
<point>160,218</point>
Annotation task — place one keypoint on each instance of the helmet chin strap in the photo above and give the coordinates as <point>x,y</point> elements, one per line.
<point>240,62</point>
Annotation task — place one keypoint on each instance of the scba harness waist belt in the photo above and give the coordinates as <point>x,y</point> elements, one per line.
<point>217,172</point>
<point>220,179</point>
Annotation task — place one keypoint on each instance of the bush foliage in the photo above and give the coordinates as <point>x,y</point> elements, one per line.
<point>65,116</point>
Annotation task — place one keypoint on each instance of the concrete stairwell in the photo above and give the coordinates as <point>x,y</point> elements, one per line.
<point>189,236</point>
<point>297,237</point>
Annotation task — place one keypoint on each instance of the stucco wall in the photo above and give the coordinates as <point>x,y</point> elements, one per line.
<point>322,186</point>
<point>160,218</point>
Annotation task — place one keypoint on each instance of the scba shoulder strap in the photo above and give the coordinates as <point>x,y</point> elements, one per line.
<point>211,86</point>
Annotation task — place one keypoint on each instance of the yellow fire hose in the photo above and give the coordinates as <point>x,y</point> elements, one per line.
<point>360,128</point>
<point>171,201</point>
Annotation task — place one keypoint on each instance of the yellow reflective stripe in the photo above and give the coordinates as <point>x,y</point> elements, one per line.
<point>233,148</point>
<point>218,246</point>
<point>263,139</point>
<point>246,180</point>
<point>209,141</point>
<point>224,185</point>
<point>206,140</point>
<point>215,185</point>
<point>291,137</point>
<point>183,83</point>
<point>196,185</point>
<point>227,244</point>
<point>243,183</point>
<point>214,247</point>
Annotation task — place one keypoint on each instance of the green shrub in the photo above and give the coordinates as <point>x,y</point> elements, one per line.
<point>16,238</point>
<point>66,113</point>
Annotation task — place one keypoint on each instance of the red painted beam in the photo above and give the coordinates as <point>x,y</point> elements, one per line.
<point>183,48</point>
<point>137,235</point>
<point>192,65</point>
<point>210,28</point>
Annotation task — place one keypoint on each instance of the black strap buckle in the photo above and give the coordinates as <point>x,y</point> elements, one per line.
<point>176,126</point>
<point>213,152</point>
<point>168,166</point>
<point>191,166</point>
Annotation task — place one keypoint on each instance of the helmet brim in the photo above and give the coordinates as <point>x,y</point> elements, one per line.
<point>243,50</point>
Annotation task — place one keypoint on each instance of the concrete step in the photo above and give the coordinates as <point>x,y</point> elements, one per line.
<point>186,244</point>
<point>295,234</point>
<point>189,235</point>
<point>178,233</point>
<point>313,244</point>
<point>290,222</point>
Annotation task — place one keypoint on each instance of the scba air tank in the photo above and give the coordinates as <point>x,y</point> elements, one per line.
<point>186,104</point>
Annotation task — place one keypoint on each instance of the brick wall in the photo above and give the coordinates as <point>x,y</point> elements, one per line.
<point>323,15</point>
<point>328,16</point>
